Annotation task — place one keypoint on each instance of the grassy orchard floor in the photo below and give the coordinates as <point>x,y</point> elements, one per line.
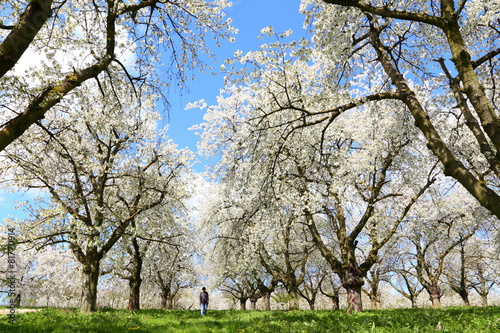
<point>459,319</point>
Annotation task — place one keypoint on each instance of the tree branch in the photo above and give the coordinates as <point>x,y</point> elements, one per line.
<point>389,13</point>
<point>452,166</point>
<point>49,97</point>
<point>23,32</point>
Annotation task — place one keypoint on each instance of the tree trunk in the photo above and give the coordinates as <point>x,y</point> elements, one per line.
<point>354,303</point>
<point>167,300</point>
<point>484,299</point>
<point>352,281</point>
<point>336,302</point>
<point>311,305</point>
<point>413,300</point>
<point>436,301</point>
<point>243,304</point>
<point>90,281</point>
<point>435,296</point>
<point>253,303</point>
<point>163,302</point>
<point>373,303</point>
<point>465,297</point>
<point>134,294</point>
<point>135,277</point>
<point>267,300</point>
<point>17,301</point>
<point>293,304</point>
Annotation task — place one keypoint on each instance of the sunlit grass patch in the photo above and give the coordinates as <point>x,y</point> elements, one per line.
<point>457,319</point>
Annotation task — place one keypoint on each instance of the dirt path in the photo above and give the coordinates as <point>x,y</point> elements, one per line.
<point>7,311</point>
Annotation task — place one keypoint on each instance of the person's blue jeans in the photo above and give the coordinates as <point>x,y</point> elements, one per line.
<point>203,309</point>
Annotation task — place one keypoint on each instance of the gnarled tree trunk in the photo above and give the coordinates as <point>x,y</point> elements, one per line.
<point>88,302</point>
<point>352,281</point>
<point>336,302</point>
<point>413,300</point>
<point>243,304</point>
<point>354,303</point>
<point>465,297</point>
<point>267,300</point>
<point>484,299</point>
<point>167,300</point>
<point>135,278</point>
<point>293,304</point>
<point>434,295</point>
<point>253,302</point>
<point>134,296</point>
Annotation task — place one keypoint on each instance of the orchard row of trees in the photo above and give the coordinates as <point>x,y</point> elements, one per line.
<point>423,264</point>
<point>375,143</point>
<point>455,251</point>
<point>112,187</point>
<point>52,276</point>
<point>378,133</point>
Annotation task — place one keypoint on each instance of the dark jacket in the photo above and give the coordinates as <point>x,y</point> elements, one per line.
<point>203,297</point>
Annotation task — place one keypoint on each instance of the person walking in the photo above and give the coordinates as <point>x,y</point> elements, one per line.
<point>204,301</point>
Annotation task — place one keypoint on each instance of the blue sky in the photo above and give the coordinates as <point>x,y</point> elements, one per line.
<point>249,17</point>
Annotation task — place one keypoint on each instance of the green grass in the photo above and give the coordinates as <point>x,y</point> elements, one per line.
<point>156,321</point>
